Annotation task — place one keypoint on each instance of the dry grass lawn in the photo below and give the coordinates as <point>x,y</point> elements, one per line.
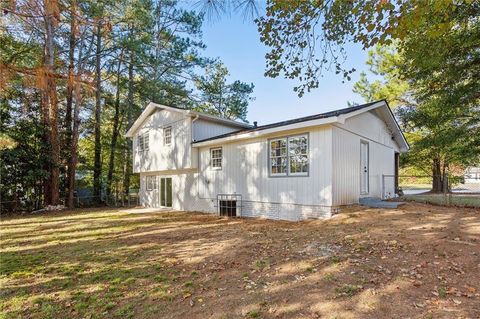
<point>419,261</point>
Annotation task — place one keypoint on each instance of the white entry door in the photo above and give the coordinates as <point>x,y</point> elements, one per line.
<point>364,168</point>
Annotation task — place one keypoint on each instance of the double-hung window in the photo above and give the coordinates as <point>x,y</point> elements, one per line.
<point>167,135</point>
<point>289,156</point>
<point>216,155</point>
<point>151,183</point>
<point>143,142</point>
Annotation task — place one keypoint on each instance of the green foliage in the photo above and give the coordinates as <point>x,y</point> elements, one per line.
<point>219,98</point>
<point>309,37</point>
<point>149,51</point>
<point>384,64</point>
<point>443,132</point>
<point>23,150</point>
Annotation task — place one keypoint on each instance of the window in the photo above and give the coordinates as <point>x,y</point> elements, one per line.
<point>167,135</point>
<point>227,208</point>
<point>278,156</point>
<point>151,183</point>
<point>142,141</point>
<point>297,155</point>
<point>216,158</point>
<point>289,156</point>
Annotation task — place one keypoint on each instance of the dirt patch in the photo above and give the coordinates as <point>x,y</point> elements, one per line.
<point>418,261</point>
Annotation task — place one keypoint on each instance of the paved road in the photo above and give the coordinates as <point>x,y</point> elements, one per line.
<point>461,188</point>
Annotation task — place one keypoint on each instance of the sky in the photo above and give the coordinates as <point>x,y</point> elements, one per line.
<point>236,43</point>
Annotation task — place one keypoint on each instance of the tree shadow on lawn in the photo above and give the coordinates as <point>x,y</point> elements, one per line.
<point>362,263</point>
<point>45,218</point>
<point>42,228</point>
<point>87,233</point>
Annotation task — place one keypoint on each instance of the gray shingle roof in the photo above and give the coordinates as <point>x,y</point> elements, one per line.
<point>293,121</point>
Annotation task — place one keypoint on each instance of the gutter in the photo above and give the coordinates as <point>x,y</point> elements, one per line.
<point>266,131</point>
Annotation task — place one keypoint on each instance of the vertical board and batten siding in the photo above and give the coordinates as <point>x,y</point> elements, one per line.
<point>370,126</point>
<point>333,179</point>
<point>245,171</point>
<point>203,129</point>
<point>148,198</point>
<point>175,160</point>
<point>177,155</point>
<point>184,191</point>
<point>346,158</point>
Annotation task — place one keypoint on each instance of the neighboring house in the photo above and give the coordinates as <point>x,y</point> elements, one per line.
<point>292,170</point>
<point>472,175</point>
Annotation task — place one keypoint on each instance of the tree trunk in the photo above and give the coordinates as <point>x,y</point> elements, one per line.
<point>97,166</point>
<point>50,110</point>
<point>115,133</point>
<point>438,176</point>
<point>72,163</point>
<point>128,152</point>
<point>69,103</point>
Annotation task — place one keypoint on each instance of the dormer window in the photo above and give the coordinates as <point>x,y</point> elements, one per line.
<point>143,142</point>
<point>167,135</point>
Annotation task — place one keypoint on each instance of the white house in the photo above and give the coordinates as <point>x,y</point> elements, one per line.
<point>472,175</point>
<point>296,169</point>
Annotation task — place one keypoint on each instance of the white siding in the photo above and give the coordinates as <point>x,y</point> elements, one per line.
<point>184,191</point>
<point>346,158</point>
<point>177,155</point>
<point>368,125</point>
<point>333,179</point>
<point>203,129</point>
<point>148,198</point>
<point>245,172</point>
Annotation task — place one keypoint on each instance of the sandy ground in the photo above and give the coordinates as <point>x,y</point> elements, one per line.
<point>418,261</point>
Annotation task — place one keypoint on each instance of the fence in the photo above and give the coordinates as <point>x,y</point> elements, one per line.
<point>26,205</point>
<point>451,191</point>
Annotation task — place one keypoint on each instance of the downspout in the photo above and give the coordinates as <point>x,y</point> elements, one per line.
<point>194,119</point>
<point>192,140</point>
<point>191,131</point>
<point>198,153</point>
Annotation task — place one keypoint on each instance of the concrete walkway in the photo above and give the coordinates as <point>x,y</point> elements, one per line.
<point>375,202</point>
<point>140,210</point>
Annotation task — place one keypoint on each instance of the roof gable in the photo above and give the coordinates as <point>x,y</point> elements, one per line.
<point>153,107</point>
<point>380,107</point>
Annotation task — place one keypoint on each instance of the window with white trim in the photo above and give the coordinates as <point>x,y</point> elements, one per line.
<point>151,183</point>
<point>289,156</point>
<point>143,142</point>
<point>216,155</point>
<point>167,135</point>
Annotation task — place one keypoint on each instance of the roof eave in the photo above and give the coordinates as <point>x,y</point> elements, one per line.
<point>401,141</point>
<point>151,106</point>
<point>139,121</point>
<point>268,131</point>
<point>217,119</point>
